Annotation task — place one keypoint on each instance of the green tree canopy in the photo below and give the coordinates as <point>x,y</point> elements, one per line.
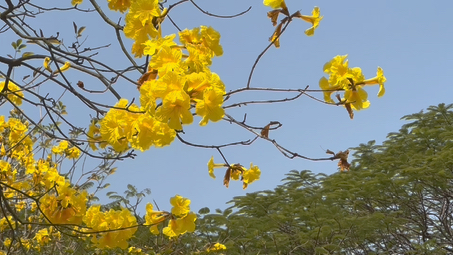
<point>394,200</point>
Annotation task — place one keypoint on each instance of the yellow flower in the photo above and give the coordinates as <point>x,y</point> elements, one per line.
<point>119,5</point>
<point>164,85</point>
<point>116,127</point>
<point>5,225</point>
<point>357,98</point>
<point>314,19</point>
<point>140,23</point>
<point>145,10</point>
<point>172,229</point>
<point>93,135</point>
<point>154,218</point>
<point>206,38</point>
<point>175,110</point>
<point>181,206</point>
<point>145,136</point>
<point>210,108</point>
<point>73,153</point>
<point>338,69</point>
<point>167,60</point>
<point>379,79</point>
<point>65,67</point>
<point>211,40</point>
<point>74,2</point>
<point>250,175</point>
<point>46,63</point>
<point>186,223</point>
<point>66,207</point>
<point>111,220</point>
<point>180,226</point>
<point>275,4</point>
<point>13,92</point>
<point>216,247</point>
<point>59,150</point>
<point>212,165</point>
<point>164,135</point>
<point>327,89</point>
<point>154,45</point>
<point>42,237</point>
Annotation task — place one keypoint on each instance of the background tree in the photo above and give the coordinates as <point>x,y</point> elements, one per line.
<point>396,199</point>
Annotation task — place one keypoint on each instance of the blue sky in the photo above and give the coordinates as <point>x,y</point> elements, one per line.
<point>411,42</point>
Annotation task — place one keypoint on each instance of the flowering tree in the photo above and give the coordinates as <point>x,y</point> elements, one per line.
<point>46,205</point>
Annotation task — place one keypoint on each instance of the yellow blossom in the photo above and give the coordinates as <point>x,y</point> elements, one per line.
<point>119,5</point>
<point>210,108</point>
<point>154,218</point>
<point>167,60</point>
<point>186,223</point>
<point>74,2</point>
<point>379,79</point>
<point>68,207</point>
<point>5,225</point>
<point>212,165</point>
<point>154,45</point>
<point>357,98</point>
<point>314,19</point>
<point>116,127</point>
<point>13,92</point>
<point>216,247</point>
<point>181,206</point>
<point>172,229</point>
<point>42,237</point>
<point>175,110</point>
<point>275,4</point>
<point>250,175</point>
<point>65,67</point>
<point>111,220</point>
<point>46,63</point>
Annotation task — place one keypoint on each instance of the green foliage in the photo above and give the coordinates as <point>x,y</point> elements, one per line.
<point>396,199</point>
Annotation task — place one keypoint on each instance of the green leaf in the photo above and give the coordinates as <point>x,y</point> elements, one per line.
<point>80,31</point>
<point>204,210</point>
<point>27,54</point>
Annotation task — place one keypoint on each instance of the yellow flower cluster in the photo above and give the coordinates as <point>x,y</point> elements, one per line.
<point>13,92</point>
<point>24,177</point>
<point>236,172</point>
<point>64,149</point>
<point>216,247</point>
<point>181,219</point>
<point>351,81</point>
<point>111,229</point>
<point>67,206</point>
<point>178,80</point>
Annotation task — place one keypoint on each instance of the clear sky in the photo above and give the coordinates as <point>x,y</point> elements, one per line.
<point>411,41</point>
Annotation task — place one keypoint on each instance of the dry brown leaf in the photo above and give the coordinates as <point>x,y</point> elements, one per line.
<point>347,105</point>
<point>343,163</point>
<point>265,131</point>
<point>273,15</point>
<point>349,109</point>
<point>275,36</point>
<point>226,179</point>
<point>330,152</point>
<point>148,76</point>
